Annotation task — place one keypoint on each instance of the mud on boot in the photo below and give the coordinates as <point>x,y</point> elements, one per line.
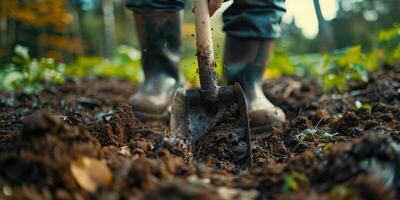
<point>160,41</point>
<point>245,60</point>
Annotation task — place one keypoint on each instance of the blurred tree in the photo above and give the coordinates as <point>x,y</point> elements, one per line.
<point>357,22</point>
<point>42,25</point>
<point>89,20</point>
<point>363,20</point>
<point>326,36</point>
<point>104,24</point>
<point>109,27</point>
<point>3,28</point>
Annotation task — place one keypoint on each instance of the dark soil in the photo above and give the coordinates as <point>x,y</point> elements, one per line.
<point>225,146</point>
<point>332,147</point>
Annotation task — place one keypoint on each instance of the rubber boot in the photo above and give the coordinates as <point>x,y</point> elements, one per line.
<point>376,154</point>
<point>245,60</point>
<point>380,157</point>
<point>160,41</point>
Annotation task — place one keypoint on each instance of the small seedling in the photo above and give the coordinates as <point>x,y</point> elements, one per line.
<point>304,135</point>
<point>362,106</point>
<point>293,182</point>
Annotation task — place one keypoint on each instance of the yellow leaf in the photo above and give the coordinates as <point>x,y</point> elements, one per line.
<point>91,173</point>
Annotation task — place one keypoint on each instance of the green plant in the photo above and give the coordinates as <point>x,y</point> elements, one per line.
<point>280,65</point>
<point>125,65</point>
<point>307,64</point>
<point>293,182</point>
<point>389,45</point>
<point>343,65</point>
<point>27,74</point>
<point>363,106</point>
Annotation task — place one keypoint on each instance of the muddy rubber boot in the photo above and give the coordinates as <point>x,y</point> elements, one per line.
<point>160,41</point>
<point>245,60</point>
<point>381,158</point>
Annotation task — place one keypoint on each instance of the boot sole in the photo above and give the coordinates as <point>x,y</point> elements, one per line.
<point>260,130</point>
<point>143,116</point>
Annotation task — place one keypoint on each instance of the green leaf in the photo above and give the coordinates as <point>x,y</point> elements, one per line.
<point>11,80</point>
<point>290,184</point>
<point>389,44</point>
<point>22,52</point>
<point>281,65</point>
<point>361,106</point>
<point>315,131</point>
<point>32,88</point>
<point>293,181</point>
<point>33,71</point>
<point>362,72</point>
<point>344,65</point>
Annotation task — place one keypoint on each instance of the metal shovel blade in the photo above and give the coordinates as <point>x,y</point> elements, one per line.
<point>219,132</point>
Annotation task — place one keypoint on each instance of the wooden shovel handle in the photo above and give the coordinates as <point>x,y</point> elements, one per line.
<point>205,50</point>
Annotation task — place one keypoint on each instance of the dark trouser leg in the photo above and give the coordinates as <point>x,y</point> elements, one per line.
<point>259,19</point>
<point>156,5</point>
<point>251,27</point>
<point>158,26</point>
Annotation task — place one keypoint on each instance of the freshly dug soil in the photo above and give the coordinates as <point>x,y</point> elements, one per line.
<point>225,146</point>
<point>66,142</point>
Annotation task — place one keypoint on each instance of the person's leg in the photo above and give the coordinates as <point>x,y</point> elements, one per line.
<point>156,5</point>
<point>251,27</point>
<point>158,27</point>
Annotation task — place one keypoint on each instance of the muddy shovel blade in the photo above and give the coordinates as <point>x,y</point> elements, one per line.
<point>219,133</point>
<point>214,119</point>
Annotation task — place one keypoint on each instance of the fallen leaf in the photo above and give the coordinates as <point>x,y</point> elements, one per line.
<point>91,173</point>
<point>125,150</point>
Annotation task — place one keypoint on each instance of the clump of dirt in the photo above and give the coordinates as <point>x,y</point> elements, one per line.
<point>39,157</point>
<point>116,128</point>
<point>225,146</point>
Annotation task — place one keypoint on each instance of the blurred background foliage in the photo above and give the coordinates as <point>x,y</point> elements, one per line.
<point>333,40</point>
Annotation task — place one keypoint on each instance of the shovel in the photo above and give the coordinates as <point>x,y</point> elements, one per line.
<point>213,118</point>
